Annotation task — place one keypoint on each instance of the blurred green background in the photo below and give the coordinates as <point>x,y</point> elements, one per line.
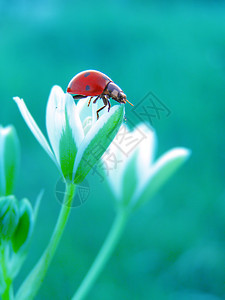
<point>174,247</point>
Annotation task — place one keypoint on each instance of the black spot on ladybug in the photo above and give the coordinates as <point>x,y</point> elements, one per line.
<point>87,88</point>
<point>87,74</point>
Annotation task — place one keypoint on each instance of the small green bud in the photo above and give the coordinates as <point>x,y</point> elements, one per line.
<point>24,227</point>
<point>9,216</point>
<point>9,159</point>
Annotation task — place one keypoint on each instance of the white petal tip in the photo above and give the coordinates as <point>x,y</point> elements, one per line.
<point>33,126</point>
<point>17,99</point>
<point>182,152</point>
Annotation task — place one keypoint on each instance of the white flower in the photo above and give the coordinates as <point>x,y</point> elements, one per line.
<point>77,139</point>
<point>136,177</point>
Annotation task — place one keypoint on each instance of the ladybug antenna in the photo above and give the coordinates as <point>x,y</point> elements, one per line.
<point>129,102</point>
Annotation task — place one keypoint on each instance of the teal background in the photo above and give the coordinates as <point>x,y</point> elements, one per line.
<point>173,247</point>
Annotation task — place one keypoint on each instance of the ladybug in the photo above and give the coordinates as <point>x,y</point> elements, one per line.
<point>96,84</point>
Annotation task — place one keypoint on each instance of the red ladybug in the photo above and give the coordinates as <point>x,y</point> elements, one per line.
<point>94,83</point>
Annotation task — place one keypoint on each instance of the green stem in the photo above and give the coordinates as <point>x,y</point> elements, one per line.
<point>103,256</point>
<point>8,292</point>
<point>34,280</point>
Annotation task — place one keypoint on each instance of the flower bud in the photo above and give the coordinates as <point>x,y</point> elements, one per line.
<point>9,216</point>
<point>9,159</point>
<point>24,228</point>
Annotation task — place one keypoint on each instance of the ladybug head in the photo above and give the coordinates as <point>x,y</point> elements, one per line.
<point>115,92</point>
<point>121,97</point>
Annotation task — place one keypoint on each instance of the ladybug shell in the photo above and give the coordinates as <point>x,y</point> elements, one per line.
<point>88,83</point>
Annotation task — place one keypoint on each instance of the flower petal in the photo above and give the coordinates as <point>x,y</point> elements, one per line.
<point>74,120</point>
<point>55,118</point>
<point>64,129</point>
<point>62,115</point>
<point>159,173</point>
<point>33,127</point>
<point>146,148</point>
<point>83,109</point>
<point>114,162</point>
<point>129,180</point>
<point>134,166</point>
<point>131,166</point>
<point>70,139</point>
<point>117,158</point>
<point>97,141</point>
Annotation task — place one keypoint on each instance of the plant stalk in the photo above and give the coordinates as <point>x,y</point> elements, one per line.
<point>103,256</point>
<point>32,283</point>
<point>8,292</point>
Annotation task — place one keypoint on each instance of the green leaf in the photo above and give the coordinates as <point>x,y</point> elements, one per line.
<point>97,140</point>
<point>24,227</point>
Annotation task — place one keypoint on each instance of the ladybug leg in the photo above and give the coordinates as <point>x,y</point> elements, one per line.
<point>96,99</point>
<point>105,101</point>
<point>77,97</point>
<point>89,101</point>
<point>109,105</point>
